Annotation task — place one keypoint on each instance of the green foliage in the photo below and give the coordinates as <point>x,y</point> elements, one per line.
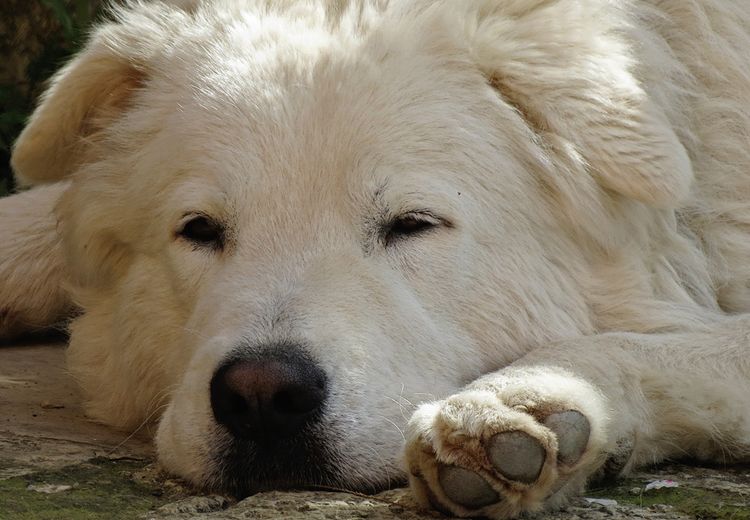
<point>17,99</point>
<point>73,24</point>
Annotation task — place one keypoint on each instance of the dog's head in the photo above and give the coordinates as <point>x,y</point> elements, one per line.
<point>287,226</point>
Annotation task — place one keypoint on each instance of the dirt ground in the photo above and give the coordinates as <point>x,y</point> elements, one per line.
<point>55,464</point>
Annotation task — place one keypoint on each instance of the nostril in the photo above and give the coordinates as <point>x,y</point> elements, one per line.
<point>229,403</point>
<point>298,400</point>
<point>236,404</point>
<point>267,397</point>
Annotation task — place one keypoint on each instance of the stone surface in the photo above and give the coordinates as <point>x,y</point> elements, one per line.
<point>55,464</point>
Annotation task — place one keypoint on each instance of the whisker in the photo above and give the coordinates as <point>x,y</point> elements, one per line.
<point>400,407</point>
<point>132,434</point>
<point>394,425</point>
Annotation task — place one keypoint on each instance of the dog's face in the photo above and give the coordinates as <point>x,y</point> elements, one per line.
<point>287,229</point>
<point>323,216</point>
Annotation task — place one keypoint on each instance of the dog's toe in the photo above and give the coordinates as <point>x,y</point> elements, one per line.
<point>516,455</point>
<point>572,430</point>
<point>466,487</point>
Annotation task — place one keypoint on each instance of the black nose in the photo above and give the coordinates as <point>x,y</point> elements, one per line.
<point>268,396</point>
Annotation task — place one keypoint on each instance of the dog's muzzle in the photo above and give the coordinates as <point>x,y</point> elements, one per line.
<point>270,401</point>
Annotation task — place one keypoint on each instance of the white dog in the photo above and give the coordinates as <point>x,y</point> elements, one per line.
<point>284,225</point>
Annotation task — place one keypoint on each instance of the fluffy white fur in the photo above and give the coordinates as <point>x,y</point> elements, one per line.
<point>589,160</point>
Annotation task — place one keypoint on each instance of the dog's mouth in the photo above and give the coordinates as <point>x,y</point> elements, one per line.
<point>246,468</point>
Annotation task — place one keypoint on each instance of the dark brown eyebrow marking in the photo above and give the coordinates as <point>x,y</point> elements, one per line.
<point>374,222</point>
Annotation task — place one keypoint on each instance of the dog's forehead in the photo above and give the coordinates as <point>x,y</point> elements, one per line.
<point>317,100</point>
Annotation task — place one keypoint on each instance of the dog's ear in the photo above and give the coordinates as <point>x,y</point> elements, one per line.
<point>87,95</point>
<point>567,68</point>
<point>92,89</point>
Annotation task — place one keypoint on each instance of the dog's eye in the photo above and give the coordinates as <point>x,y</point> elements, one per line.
<point>203,231</point>
<point>409,225</point>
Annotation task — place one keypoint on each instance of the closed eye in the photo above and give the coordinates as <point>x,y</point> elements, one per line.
<point>410,225</point>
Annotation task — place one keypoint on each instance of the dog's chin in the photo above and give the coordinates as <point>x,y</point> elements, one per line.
<point>244,468</point>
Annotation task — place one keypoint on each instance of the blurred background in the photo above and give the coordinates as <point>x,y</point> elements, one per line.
<point>36,38</point>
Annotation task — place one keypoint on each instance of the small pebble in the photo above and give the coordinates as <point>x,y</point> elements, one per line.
<point>47,405</point>
<point>662,508</point>
<point>48,488</point>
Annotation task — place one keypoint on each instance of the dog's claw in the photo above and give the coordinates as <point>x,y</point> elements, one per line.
<point>517,455</point>
<point>465,487</point>
<point>572,430</point>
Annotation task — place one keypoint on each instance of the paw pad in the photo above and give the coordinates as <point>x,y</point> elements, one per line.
<point>465,487</point>
<point>572,430</point>
<point>517,455</point>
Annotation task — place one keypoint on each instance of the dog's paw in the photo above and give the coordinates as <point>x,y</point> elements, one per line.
<point>510,443</point>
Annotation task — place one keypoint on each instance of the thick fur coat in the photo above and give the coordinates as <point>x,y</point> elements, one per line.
<point>552,196</point>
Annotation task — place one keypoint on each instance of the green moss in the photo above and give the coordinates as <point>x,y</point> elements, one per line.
<point>102,489</point>
<point>701,504</point>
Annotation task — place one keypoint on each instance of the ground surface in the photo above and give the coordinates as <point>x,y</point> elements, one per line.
<point>54,464</point>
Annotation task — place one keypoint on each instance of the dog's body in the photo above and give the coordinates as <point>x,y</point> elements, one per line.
<point>386,202</point>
